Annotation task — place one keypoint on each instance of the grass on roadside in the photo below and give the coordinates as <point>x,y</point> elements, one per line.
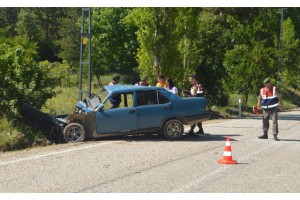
<point>291,100</point>
<point>5,132</point>
<point>16,135</point>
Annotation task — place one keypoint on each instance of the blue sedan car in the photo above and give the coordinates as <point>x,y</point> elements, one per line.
<point>142,110</point>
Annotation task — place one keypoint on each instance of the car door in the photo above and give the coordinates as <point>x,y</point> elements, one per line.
<point>152,107</point>
<point>122,119</point>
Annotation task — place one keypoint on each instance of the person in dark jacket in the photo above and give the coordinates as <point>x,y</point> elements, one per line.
<point>116,99</point>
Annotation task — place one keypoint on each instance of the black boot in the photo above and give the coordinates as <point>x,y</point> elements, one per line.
<point>276,138</point>
<point>263,136</point>
<point>191,131</point>
<point>200,132</point>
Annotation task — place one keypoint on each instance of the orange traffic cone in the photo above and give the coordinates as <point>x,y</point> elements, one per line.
<point>227,156</point>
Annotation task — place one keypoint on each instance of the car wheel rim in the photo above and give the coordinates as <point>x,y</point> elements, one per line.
<point>74,134</point>
<point>174,129</point>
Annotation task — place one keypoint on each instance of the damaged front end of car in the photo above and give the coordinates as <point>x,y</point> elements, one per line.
<point>78,126</point>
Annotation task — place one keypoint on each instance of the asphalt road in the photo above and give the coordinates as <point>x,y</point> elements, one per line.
<point>153,164</point>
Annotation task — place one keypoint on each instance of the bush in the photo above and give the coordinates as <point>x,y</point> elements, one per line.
<point>22,79</point>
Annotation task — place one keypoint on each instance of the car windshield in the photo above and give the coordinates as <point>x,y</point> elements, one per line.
<point>93,101</point>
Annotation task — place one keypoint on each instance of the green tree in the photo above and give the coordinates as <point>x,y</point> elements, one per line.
<point>289,56</point>
<point>49,18</point>
<point>254,53</point>
<point>8,19</point>
<point>157,52</point>
<point>41,26</point>
<point>186,36</point>
<point>22,80</point>
<point>69,32</point>
<point>3,20</point>
<point>29,25</point>
<point>114,43</point>
<point>12,18</point>
<point>182,41</point>
<point>207,55</point>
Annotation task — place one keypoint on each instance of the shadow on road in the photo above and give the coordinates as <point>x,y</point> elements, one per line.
<point>213,137</point>
<point>289,117</point>
<point>220,126</point>
<point>281,116</point>
<point>160,138</point>
<point>289,140</point>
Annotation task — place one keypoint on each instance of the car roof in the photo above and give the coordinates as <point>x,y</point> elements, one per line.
<point>128,88</point>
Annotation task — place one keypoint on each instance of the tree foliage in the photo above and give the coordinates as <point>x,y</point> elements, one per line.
<point>289,56</point>
<point>254,55</point>
<point>114,43</point>
<point>22,79</point>
<point>41,26</point>
<point>208,54</point>
<point>231,49</point>
<point>69,36</point>
<point>155,34</point>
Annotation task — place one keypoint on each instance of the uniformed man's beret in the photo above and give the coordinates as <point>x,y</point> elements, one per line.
<point>267,80</point>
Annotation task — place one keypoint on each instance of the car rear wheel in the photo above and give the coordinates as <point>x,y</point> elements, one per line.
<point>74,132</point>
<point>173,129</point>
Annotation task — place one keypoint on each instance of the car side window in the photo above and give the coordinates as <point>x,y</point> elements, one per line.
<point>126,100</point>
<point>162,99</point>
<point>146,97</point>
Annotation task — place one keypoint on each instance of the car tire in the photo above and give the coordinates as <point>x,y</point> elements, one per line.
<point>74,132</point>
<point>173,129</point>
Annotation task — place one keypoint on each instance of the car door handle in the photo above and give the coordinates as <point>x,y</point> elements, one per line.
<point>167,106</point>
<point>131,110</point>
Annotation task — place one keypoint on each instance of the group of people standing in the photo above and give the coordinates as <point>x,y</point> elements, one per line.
<point>196,90</point>
<point>161,82</point>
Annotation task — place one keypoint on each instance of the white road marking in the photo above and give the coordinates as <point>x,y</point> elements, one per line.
<point>53,153</point>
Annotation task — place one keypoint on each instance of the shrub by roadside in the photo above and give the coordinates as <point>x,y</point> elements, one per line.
<point>16,135</point>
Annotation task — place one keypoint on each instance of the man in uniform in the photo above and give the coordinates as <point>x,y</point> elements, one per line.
<point>116,99</point>
<point>196,91</point>
<point>268,100</point>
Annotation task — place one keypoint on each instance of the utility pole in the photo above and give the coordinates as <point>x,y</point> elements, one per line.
<point>85,45</point>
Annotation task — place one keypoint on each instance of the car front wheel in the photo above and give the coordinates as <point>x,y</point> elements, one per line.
<point>74,132</point>
<point>173,129</point>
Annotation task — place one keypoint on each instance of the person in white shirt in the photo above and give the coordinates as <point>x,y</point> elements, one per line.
<point>170,86</point>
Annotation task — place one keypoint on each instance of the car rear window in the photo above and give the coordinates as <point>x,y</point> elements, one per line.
<point>150,97</point>
<point>146,98</point>
<point>162,99</point>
